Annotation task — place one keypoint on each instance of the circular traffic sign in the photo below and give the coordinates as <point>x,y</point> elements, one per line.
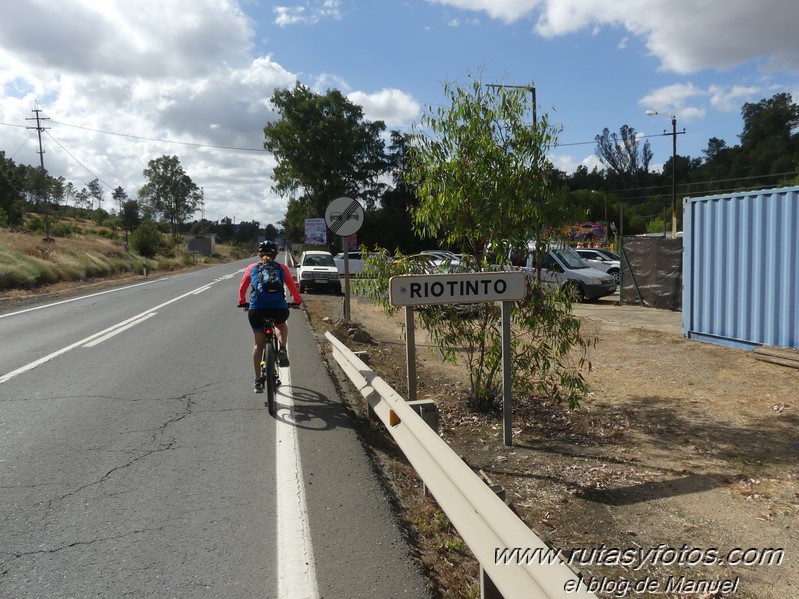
<point>344,216</point>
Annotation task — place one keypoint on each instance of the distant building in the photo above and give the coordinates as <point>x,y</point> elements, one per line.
<point>201,243</point>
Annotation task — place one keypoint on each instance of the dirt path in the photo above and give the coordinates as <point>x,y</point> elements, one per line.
<point>684,453</point>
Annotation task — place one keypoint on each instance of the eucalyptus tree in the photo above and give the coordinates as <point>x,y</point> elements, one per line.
<point>169,191</point>
<point>624,156</point>
<point>479,169</point>
<point>95,193</point>
<point>324,149</point>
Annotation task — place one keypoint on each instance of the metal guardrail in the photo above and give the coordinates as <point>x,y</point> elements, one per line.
<point>482,519</point>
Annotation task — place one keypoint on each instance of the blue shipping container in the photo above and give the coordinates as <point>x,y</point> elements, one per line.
<point>741,268</point>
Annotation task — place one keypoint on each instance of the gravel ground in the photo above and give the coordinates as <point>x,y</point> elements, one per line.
<point>683,451</point>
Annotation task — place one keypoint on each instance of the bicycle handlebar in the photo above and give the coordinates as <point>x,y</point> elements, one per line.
<point>246,307</point>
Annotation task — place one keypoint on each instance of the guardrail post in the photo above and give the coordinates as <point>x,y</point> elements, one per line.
<point>488,590</point>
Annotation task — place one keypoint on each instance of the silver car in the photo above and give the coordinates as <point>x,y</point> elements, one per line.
<point>601,261</point>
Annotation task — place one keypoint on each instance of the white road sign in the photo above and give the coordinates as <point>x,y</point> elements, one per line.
<point>344,216</point>
<point>457,288</point>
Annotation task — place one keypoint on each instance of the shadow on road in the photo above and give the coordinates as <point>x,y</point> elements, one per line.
<point>311,410</point>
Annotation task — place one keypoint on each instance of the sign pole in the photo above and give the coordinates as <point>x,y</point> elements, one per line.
<point>344,217</point>
<point>410,352</point>
<point>507,403</point>
<point>345,248</point>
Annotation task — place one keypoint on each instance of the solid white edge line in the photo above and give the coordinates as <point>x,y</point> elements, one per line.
<point>296,568</point>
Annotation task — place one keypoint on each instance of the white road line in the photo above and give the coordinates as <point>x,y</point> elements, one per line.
<point>118,330</point>
<point>121,325</point>
<point>82,297</point>
<point>296,569</point>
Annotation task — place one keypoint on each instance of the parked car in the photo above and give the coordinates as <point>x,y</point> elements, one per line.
<point>562,269</point>
<point>318,271</point>
<point>599,260</point>
<point>609,253</point>
<point>354,262</point>
<point>441,255</point>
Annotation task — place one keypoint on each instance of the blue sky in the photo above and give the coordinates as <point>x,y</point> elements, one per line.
<point>125,82</point>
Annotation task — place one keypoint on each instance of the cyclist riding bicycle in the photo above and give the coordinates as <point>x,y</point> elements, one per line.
<point>266,281</point>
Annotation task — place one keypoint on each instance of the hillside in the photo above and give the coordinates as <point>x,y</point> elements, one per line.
<point>29,264</point>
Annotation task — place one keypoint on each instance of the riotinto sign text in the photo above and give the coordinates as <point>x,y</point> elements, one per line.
<point>418,290</point>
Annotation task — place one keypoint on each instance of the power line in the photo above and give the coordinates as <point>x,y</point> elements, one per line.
<point>86,168</point>
<point>167,141</point>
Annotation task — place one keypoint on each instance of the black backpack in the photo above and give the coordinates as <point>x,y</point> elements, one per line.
<point>269,279</point>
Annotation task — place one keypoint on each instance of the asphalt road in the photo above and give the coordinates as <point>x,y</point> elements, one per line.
<point>136,461</point>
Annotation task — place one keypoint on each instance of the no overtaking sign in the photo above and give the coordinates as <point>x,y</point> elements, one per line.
<point>344,216</point>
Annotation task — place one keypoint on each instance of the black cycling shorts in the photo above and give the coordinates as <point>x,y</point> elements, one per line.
<point>256,317</point>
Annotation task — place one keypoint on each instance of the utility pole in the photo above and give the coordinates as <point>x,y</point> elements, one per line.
<point>39,130</point>
<point>673,134</point>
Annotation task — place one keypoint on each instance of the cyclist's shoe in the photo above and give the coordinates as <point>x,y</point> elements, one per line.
<point>282,357</point>
<point>259,386</point>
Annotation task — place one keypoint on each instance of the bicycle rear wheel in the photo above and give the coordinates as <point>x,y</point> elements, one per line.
<point>270,373</point>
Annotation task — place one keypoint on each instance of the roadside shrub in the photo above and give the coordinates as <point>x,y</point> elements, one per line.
<point>167,264</point>
<point>34,224</point>
<point>139,266</point>
<point>146,239</point>
<point>188,259</point>
<point>63,229</point>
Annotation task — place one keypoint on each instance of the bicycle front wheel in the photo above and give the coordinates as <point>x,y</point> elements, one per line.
<point>270,366</point>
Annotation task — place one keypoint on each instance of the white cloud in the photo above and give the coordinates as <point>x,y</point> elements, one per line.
<point>685,35</point>
<point>124,76</point>
<point>308,13</point>
<point>394,107</point>
<point>125,39</point>
<point>730,99</point>
<point>568,163</point>
<point>675,100</point>
<point>504,10</point>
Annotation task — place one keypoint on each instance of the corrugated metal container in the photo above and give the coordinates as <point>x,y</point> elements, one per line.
<point>741,268</point>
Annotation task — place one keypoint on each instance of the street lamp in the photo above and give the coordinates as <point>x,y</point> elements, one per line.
<point>673,169</point>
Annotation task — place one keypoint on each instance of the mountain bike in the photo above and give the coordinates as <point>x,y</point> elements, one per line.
<point>270,372</point>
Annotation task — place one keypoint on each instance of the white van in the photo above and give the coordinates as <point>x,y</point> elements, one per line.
<point>562,269</point>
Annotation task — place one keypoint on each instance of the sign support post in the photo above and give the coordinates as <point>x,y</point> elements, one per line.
<point>344,217</point>
<point>345,248</point>
<point>410,352</point>
<point>462,288</point>
<point>507,377</point>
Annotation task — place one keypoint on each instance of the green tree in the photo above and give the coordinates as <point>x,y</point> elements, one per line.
<point>623,155</point>
<point>271,232</point>
<point>120,197</point>
<point>324,149</point>
<point>389,224</point>
<point>480,170</point>
<point>146,239</point>
<point>768,142</point>
<point>95,189</point>
<point>482,178</point>
<point>169,191</point>
<point>12,194</point>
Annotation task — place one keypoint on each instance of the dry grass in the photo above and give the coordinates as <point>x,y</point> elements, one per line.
<point>28,262</point>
